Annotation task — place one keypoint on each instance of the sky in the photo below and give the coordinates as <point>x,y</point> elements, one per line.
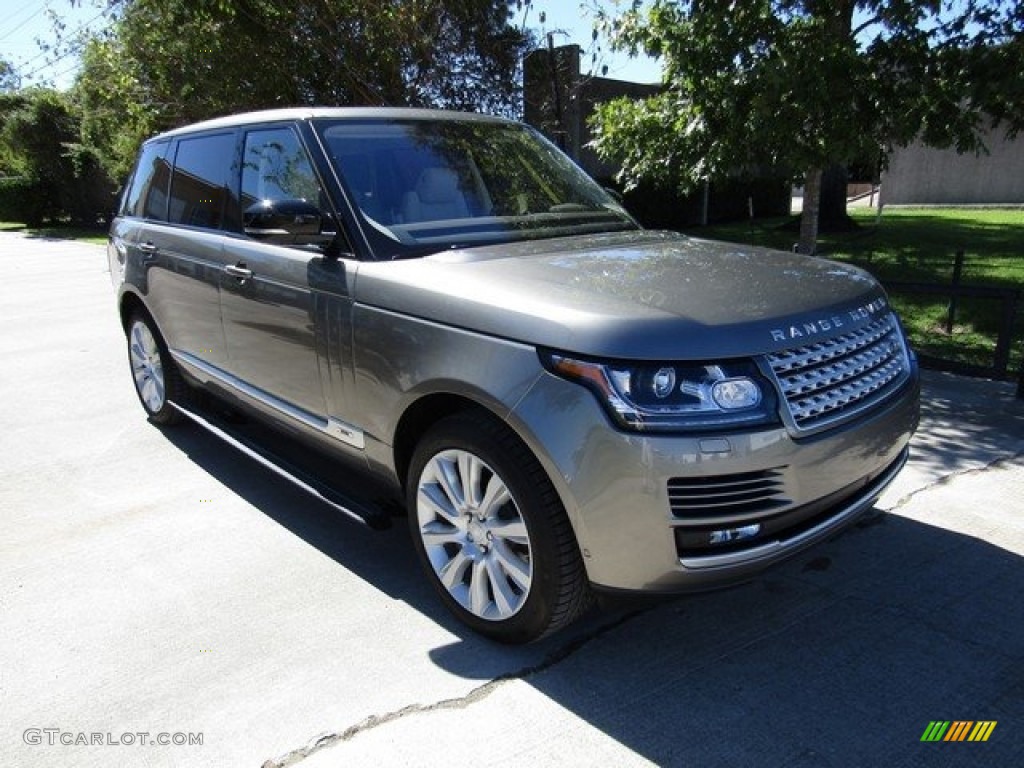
<point>572,22</point>
<point>23,22</point>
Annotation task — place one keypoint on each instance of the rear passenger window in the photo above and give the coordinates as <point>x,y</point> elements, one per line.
<point>199,187</point>
<point>147,195</point>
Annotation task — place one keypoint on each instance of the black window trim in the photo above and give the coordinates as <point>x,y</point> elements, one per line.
<point>233,170</point>
<point>165,144</point>
<point>231,223</point>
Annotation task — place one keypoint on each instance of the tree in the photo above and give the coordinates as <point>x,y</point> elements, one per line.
<point>9,80</point>
<point>807,84</point>
<point>10,161</point>
<point>185,60</point>
<point>59,177</point>
<point>116,114</point>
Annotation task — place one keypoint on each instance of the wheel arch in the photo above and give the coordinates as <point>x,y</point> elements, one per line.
<point>421,415</point>
<point>130,303</point>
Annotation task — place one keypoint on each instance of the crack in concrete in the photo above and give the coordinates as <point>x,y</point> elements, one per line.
<point>955,475</point>
<point>479,693</point>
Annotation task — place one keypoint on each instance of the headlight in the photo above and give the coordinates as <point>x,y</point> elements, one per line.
<point>661,397</point>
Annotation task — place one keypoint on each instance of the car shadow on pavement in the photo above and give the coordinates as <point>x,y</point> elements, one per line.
<point>839,657</point>
<point>385,559</point>
<point>374,555</point>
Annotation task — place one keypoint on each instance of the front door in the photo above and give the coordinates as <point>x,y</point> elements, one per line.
<point>270,295</point>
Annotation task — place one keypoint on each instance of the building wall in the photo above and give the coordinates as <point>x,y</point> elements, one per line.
<point>920,175</point>
<point>559,100</point>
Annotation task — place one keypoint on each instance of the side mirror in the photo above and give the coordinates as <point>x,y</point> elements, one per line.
<point>287,222</point>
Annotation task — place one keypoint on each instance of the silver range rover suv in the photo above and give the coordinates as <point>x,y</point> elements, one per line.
<point>444,305</point>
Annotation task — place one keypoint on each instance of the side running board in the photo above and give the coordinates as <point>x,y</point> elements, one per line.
<point>362,512</point>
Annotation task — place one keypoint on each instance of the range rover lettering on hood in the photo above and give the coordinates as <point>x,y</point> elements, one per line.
<point>830,323</point>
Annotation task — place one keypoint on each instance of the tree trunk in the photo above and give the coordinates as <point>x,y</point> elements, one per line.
<point>809,218</point>
<point>832,210</point>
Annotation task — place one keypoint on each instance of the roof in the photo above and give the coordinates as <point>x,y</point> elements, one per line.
<point>309,113</point>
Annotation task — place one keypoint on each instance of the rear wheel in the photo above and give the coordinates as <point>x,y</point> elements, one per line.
<point>157,379</point>
<point>491,532</point>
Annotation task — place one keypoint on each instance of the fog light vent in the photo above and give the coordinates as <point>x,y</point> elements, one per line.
<point>724,498</point>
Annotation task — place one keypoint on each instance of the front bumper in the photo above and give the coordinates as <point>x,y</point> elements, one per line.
<point>676,513</point>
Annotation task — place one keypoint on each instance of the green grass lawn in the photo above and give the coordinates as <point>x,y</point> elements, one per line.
<point>919,245</point>
<point>81,234</point>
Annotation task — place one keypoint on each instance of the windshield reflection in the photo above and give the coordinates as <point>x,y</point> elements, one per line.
<point>426,185</point>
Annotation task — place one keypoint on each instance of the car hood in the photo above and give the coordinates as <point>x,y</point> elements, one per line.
<point>644,296</point>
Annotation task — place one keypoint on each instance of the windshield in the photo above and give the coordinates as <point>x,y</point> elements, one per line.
<point>423,186</point>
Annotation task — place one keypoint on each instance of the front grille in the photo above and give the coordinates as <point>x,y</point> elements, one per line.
<point>732,498</point>
<point>832,380</point>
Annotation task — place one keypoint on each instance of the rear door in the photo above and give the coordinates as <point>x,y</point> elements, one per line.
<point>178,205</point>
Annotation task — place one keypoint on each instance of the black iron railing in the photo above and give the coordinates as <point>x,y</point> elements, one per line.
<point>1009,300</point>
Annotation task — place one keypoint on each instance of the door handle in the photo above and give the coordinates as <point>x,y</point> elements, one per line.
<point>148,250</point>
<point>240,271</point>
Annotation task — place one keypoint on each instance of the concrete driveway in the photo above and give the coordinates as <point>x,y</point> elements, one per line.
<point>158,583</point>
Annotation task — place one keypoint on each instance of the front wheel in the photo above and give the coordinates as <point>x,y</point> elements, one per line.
<point>491,532</point>
<point>157,380</point>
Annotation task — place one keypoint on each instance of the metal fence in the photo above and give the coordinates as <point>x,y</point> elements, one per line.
<point>1009,300</point>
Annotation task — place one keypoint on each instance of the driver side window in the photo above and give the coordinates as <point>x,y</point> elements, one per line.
<point>275,167</point>
<point>282,201</point>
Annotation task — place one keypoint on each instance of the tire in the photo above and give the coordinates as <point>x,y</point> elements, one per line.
<point>157,380</point>
<point>503,557</point>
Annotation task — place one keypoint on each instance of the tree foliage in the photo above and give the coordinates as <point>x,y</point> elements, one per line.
<point>115,117</point>
<point>58,176</point>
<point>806,84</point>
<point>171,62</point>
<point>9,79</point>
